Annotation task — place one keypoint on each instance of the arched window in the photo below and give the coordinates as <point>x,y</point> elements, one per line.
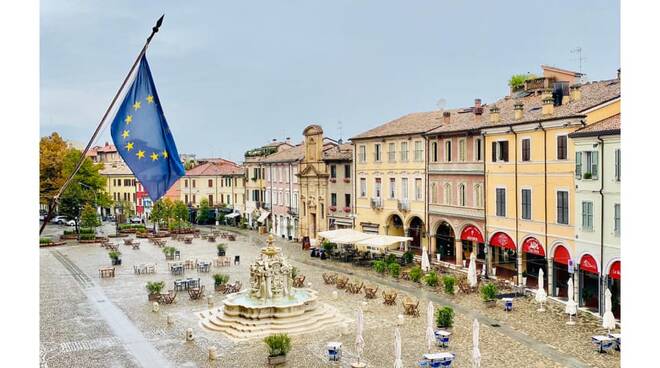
<point>478,196</point>
<point>461,195</point>
<point>447,193</point>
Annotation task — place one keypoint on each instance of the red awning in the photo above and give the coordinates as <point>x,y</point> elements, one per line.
<point>615,270</point>
<point>472,233</point>
<point>561,255</point>
<point>532,246</point>
<point>588,264</point>
<point>503,241</point>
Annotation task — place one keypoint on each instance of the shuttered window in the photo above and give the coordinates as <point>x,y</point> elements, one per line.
<point>562,148</point>
<point>526,149</point>
<point>500,199</point>
<point>562,207</point>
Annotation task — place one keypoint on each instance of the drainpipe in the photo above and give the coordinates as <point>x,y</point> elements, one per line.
<point>602,278</point>
<point>515,171</point>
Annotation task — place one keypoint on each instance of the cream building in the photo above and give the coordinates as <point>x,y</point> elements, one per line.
<point>120,186</point>
<point>339,160</point>
<point>221,182</point>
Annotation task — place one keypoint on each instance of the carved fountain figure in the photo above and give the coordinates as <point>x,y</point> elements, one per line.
<point>271,275</point>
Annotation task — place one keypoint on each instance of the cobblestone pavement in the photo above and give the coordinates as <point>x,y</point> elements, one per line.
<point>74,334</point>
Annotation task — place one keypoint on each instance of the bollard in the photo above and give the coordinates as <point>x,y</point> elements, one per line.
<point>155,307</point>
<point>209,300</point>
<point>170,320</point>
<point>213,353</point>
<point>189,334</point>
<point>335,295</point>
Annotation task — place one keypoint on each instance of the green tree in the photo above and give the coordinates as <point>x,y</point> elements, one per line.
<point>162,211</point>
<point>89,218</point>
<point>180,211</point>
<point>518,80</point>
<point>204,214</point>
<point>52,150</point>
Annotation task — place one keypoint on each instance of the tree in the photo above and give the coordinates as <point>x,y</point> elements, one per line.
<point>52,150</point>
<point>180,211</point>
<point>204,214</point>
<point>126,208</point>
<point>89,218</point>
<point>162,211</point>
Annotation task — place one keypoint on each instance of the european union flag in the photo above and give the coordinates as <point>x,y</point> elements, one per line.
<point>143,137</point>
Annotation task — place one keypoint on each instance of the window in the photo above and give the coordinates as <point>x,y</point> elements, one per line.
<point>333,199</point>
<point>186,198</point>
<point>562,147</point>
<point>363,187</point>
<point>461,195</point>
<point>194,199</point>
<point>333,171</point>
<point>447,151</point>
<point>418,189</point>
<point>447,194</point>
<point>377,152</point>
<point>462,151</point>
<point>295,200</point>
<point>392,188</point>
<point>588,165</point>
<point>419,151</point>
<point>193,184</point>
<point>377,187</point>
<point>404,189</point>
<point>477,149</point>
<point>404,151</point>
<point>578,165</point>
<point>562,207</point>
<point>210,199</point>
<point>526,204</point>
<point>185,184</point>
<point>434,151</point>
<point>617,164</point>
<point>617,219</point>
<point>526,149</point>
<point>478,196</point>
<point>500,151</point>
<point>347,171</point>
<point>347,200</point>
<point>587,216</point>
<point>362,153</point>
<point>500,202</point>
<point>210,183</point>
<point>391,152</point>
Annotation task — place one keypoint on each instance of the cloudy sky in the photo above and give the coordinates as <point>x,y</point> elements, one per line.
<point>232,75</point>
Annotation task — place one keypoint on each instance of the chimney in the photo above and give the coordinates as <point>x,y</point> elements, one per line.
<point>548,105</point>
<point>576,94</point>
<point>517,111</point>
<point>274,139</point>
<point>446,117</point>
<point>288,140</point>
<point>494,114</point>
<point>478,110</point>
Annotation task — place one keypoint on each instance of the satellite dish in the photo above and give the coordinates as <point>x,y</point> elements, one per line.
<point>441,104</point>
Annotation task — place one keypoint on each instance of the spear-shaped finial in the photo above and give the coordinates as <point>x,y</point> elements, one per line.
<point>154,30</point>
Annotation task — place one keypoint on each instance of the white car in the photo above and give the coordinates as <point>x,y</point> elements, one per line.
<point>63,220</point>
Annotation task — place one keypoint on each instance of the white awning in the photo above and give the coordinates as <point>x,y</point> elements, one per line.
<point>232,215</point>
<point>345,236</point>
<point>381,243</point>
<point>263,217</point>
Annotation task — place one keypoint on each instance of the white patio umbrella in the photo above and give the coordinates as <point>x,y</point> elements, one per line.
<point>608,318</point>
<point>541,296</point>
<point>430,335</point>
<point>426,265</point>
<point>571,305</point>
<point>472,271</point>
<point>359,340</point>
<point>476,354</point>
<point>398,363</point>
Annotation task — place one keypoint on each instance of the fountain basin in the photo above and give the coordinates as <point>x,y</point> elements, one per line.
<point>243,305</point>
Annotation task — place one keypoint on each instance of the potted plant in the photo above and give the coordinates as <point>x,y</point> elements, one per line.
<point>488,294</point>
<point>333,208</point>
<point>347,209</point>
<point>220,279</point>
<point>394,269</point>
<point>279,346</point>
<point>115,257</point>
<point>431,279</point>
<point>408,257</point>
<point>444,317</point>
<point>449,282</point>
<point>415,274</point>
<point>587,175</point>
<point>347,180</point>
<point>222,248</point>
<point>169,253</point>
<point>391,258</point>
<point>378,266</point>
<point>154,289</point>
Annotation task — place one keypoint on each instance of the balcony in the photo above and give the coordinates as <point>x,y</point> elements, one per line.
<point>376,203</point>
<point>266,206</point>
<point>403,205</point>
<point>292,211</point>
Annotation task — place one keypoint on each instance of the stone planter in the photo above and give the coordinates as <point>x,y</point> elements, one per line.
<point>490,303</point>
<point>116,262</point>
<point>276,360</point>
<point>153,297</point>
<point>221,253</point>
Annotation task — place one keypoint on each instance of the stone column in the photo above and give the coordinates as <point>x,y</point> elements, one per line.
<point>458,249</point>
<point>520,268</point>
<point>550,273</point>
<point>489,260</point>
<point>576,288</point>
<point>432,246</point>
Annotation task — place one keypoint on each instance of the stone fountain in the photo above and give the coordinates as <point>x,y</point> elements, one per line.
<point>271,304</point>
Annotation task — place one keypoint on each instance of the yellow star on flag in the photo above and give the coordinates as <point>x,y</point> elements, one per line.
<point>129,119</point>
<point>129,146</point>
<point>164,154</point>
<point>154,156</point>
<point>125,134</point>
<point>150,99</point>
<point>137,105</point>
<point>140,154</point>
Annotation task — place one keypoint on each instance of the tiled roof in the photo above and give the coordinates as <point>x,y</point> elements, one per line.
<point>343,152</point>
<point>294,153</point>
<point>415,123</point>
<point>115,169</point>
<point>214,169</point>
<point>607,126</point>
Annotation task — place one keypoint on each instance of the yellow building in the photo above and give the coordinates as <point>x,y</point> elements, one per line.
<point>390,179</point>
<point>221,182</point>
<point>529,175</point>
<point>120,186</point>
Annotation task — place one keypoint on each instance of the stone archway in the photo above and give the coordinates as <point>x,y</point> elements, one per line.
<point>394,225</point>
<point>415,231</point>
<point>445,243</point>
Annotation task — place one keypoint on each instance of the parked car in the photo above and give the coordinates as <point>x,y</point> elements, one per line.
<point>63,220</point>
<point>135,220</point>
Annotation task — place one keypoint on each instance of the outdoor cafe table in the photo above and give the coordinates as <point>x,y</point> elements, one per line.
<point>185,284</point>
<point>617,338</point>
<point>442,338</point>
<point>334,350</point>
<point>603,343</point>
<point>445,359</point>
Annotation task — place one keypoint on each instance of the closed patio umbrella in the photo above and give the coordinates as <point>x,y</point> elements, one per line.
<point>359,340</point>
<point>476,354</point>
<point>426,265</point>
<point>571,306</point>
<point>608,318</point>
<point>430,335</point>
<point>472,271</point>
<point>398,363</point>
<point>541,296</point>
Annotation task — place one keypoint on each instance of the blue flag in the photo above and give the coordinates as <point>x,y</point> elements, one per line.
<point>142,137</point>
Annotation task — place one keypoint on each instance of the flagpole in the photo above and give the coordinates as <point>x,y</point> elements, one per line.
<point>53,201</point>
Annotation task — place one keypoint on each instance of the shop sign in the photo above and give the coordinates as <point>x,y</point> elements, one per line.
<point>472,233</point>
<point>532,246</point>
<point>570,266</point>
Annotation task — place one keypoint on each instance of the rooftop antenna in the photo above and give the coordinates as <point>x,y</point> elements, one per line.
<point>441,104</point>
<point>578,51</point>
